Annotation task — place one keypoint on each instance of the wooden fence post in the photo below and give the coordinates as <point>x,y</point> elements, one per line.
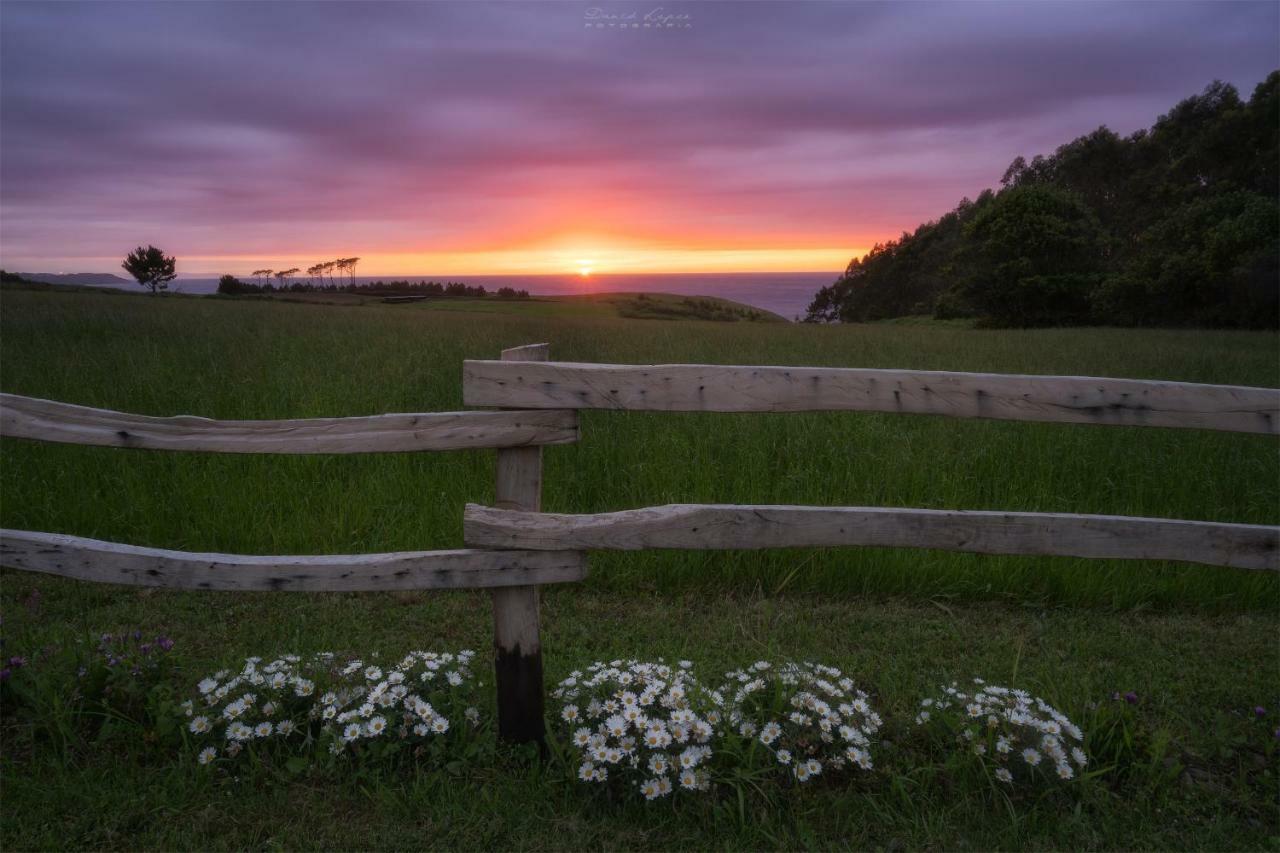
<point>517,647</point>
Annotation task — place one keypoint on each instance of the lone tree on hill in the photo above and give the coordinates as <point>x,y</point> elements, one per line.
<point>151,268</point>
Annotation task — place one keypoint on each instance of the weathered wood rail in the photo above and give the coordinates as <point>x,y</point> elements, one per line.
<point>724,388</point>
<point>724,526</point>
<point>109,562</point>
<point>46,420</point>
<point>515,548</point>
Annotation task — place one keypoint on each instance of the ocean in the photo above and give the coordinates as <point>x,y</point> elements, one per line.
<point>787,293</point>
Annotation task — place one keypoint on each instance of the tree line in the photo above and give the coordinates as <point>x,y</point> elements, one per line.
<point>318,271</point>
<point>229,285</point>
<point>1176,225</point>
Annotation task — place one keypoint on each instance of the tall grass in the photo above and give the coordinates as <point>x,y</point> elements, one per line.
<point>244,359</point>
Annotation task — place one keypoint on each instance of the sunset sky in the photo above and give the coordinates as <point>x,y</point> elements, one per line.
<point>452,138</point>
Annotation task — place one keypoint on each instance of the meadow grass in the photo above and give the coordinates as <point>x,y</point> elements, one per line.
<point>1196,644</point>
<point>242,359</point>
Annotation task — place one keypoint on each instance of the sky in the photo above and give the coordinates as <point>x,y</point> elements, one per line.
<point>527,137</point>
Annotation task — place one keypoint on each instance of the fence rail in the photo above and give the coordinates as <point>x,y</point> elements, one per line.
<point>517,548</point>
<point>110,562</point>
<point>721,388</point>
<point>47,420</point>
<point>728,526</point>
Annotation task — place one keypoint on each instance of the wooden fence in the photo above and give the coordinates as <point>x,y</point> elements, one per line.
<point>515,547</point>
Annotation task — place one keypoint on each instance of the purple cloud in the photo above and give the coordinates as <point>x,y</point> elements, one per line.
<point>223,128</point>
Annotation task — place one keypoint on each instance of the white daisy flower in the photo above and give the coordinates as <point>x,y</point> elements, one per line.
<point>207,755</point>
<point>860,757</point>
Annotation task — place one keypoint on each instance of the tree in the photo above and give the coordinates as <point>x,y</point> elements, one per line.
<point>348,266</point>
<point>230,285</point>
<point>151,268</point>
<point>1033,258</point>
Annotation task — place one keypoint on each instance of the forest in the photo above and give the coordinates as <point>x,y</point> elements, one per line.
<point>1174,226</point>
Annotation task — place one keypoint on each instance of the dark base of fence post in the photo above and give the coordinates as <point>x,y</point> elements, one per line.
<point>520,709</point>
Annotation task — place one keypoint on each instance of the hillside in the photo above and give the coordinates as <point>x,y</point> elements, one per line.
<point>80,278</point>
<point>1172,226</point>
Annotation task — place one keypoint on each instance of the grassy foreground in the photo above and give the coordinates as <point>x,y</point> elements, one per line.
<point>1197,645</point>
<point>240,359</point>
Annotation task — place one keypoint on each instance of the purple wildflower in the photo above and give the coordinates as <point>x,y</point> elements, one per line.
<point>145,648</point>
<point>17,661</point>
<point>6,672</point>
<point>165,643</point>
<point>1259,711</point>
<point>1131,698</point>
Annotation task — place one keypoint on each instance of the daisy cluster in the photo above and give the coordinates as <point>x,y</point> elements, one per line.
<point>323,700</point>
<point>639,722</point>
<point>811,717</point>
<point>1021,734</point>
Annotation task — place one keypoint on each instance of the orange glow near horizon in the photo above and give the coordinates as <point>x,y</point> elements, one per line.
<point>569,256</point>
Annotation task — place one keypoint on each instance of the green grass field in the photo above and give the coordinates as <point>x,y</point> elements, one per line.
<point>1198,644</point>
